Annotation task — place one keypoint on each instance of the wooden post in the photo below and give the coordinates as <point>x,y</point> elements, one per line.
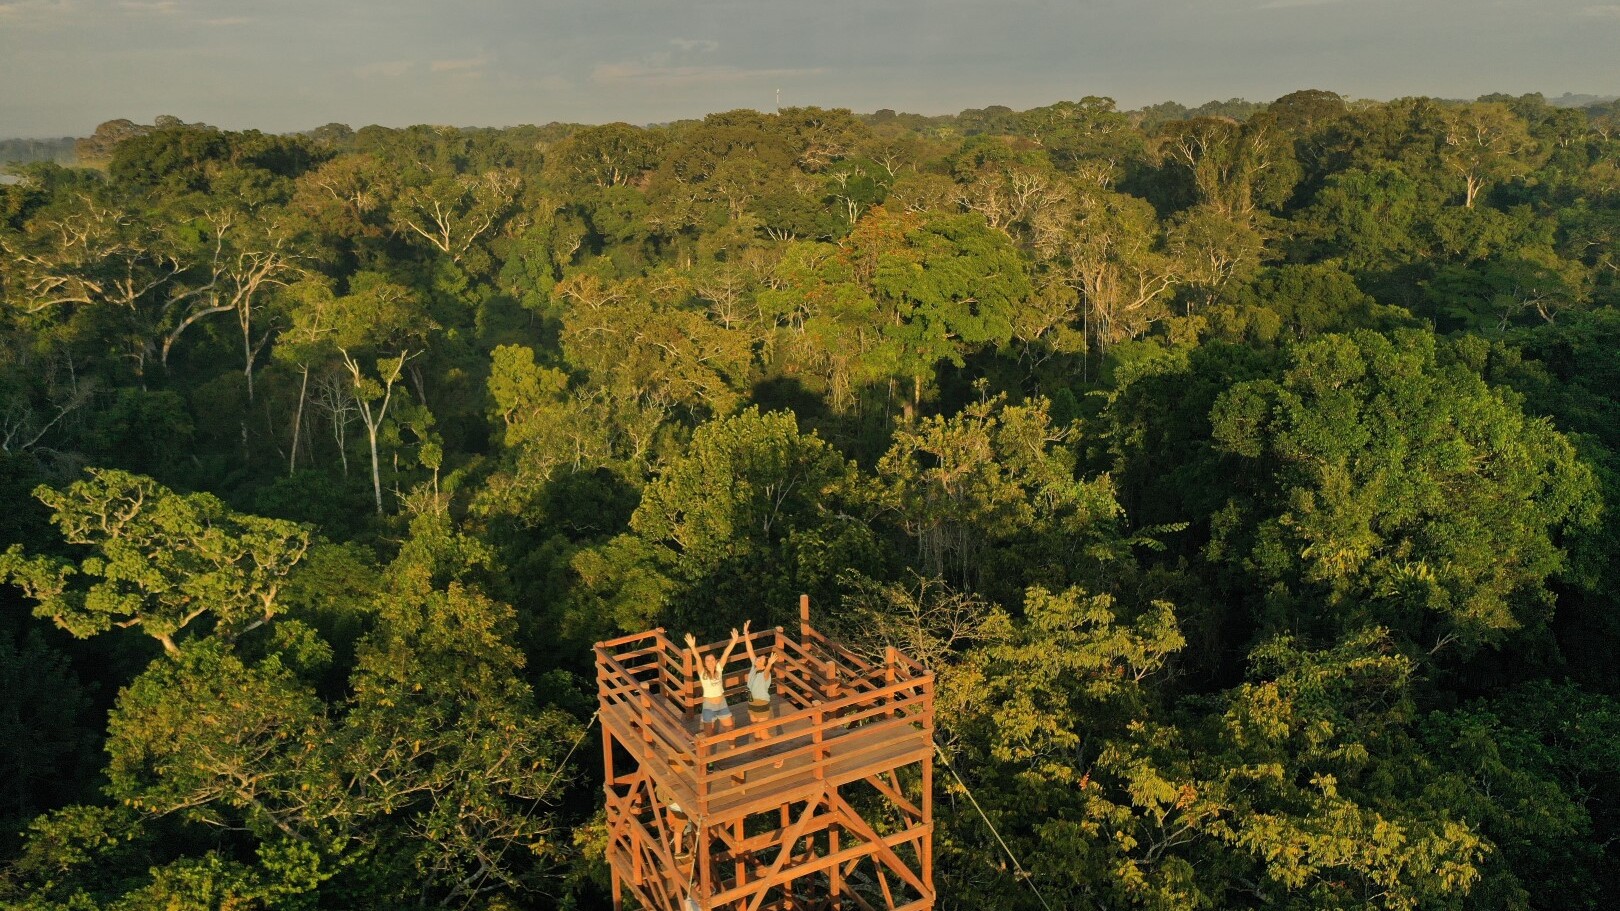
<point>835,878</point>
<point>638,874</point>
<point>666,678</point>
<point>927,852</point>
<point>705,875</point>
<point>700,773</point>
<point>834,689</point>
<point>741,866</point>
<point>687,693</point>
<point>819,722</point>
<point>702,749</point>
<point>804,621</point>
<point>889,662</point>
<point>646,731</point>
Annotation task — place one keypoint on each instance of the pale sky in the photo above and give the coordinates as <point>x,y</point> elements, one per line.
<point>282,65</point>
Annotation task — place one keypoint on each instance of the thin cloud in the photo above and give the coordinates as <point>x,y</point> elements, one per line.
<point>556,85</point>
<point>384,69</point>
<point>638,74</point>
<point>229,21</point>
<point>1295,4</point>
<point>700,45</point>
<point>459,66</point>
<point>35,12</point>
<point>149,7</point>
<point>1601,12</point>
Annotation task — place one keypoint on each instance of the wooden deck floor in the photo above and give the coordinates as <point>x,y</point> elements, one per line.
<point>850,754</point>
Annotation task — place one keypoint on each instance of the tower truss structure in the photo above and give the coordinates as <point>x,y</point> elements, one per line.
<point>825,806</point>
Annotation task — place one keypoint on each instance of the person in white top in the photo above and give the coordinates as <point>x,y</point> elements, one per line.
<point>712,674</point>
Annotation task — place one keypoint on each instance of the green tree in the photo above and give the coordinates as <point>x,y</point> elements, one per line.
<point>1504,290</point>
<point>1387,484</point>
<point>1366,220</point>
<point>1530,770</point>
<point>1038,717</point>
<point>753,512</point>
<point>92,270</point>
<point>450,213</point>
<point>346,199</point>
<point>830,325</point>
<point>225,744</point>
<point>611,155</point>
<point>551,429</point>
<point>1088,137</point>
<point>990,495</point>
<point>650,346</point>
<point>387,321</point>
<point>1236,169</point>
<point>46,744</point>
<point>1309,768</point>
<point>244,257</point>
<point>1298,302</point>
<point>1112,253</point>
<point>162,560</point>
<point>444,752</point>
<point>1486,143</point>
<point>945,285</point>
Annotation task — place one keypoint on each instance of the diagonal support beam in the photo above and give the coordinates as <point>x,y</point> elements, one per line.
<point>895,796</point>
<point>789,840</point>
<point>883,881</point>
<point>854,822</point>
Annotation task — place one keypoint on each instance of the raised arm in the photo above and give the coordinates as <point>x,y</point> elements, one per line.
<point>725,656</point>
<point>748,643</point>
<point>691,646</point>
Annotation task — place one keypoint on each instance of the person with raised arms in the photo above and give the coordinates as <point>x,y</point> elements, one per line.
<point>760,708</point>
<point>712,675</point>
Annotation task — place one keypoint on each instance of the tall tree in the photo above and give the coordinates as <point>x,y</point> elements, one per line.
<point>162,560</point>
<point>990,495</point>
<point>449,213</point>
<point>945,286</point>
<point>1112,253</point>
<point>753,506</point>
<point>1394,486</point>
<point>1486,143</point>
<point>384,320</point>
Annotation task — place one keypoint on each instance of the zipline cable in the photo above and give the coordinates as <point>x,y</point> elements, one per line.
<point>473,892</point>
<point>564,764</point>
<point>1022,873</point>
<point>1017,867</point>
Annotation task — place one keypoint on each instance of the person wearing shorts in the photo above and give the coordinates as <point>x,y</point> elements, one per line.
<point>760,708</point>
<point>712,675</point>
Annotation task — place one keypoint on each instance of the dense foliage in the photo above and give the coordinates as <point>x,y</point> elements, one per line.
<point>1248,475</point>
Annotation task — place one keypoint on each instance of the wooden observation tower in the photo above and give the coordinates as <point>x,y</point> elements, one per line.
<point>833,812</point>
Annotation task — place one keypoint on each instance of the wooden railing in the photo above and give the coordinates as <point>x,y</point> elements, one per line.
<point>864,722</point>
<point>825,694</point>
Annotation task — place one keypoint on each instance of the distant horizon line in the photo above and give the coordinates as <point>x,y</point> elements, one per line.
<point>1597,98</point>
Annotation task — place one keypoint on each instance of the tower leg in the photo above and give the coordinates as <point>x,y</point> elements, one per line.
<point>927,858</point>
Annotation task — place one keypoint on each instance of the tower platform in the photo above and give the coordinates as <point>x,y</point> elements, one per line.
<point>825,805</point>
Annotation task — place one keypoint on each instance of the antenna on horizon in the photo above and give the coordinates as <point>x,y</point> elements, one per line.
<point>778,101</point>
